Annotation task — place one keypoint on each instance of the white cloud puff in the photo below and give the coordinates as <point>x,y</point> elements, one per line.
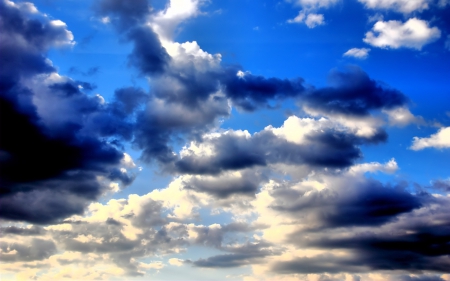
<point>316,3</point>
<point>439,140</point>
<point>403,6</point>
<point>311,20</point>
<point>414,33</point>
<point>357,53</point>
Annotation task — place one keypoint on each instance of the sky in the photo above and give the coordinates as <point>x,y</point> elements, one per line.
<point>225,140</point>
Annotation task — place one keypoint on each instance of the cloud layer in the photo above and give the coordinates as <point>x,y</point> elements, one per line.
<point>293,201</point>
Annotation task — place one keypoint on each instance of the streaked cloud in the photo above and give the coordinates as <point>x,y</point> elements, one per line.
<point>361,53</point>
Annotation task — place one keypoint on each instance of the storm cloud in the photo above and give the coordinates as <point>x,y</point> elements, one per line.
<point>34,132</point>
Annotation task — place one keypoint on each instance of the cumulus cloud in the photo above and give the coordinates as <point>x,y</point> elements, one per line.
<point>403,6</point>
<point>317,143</point>
<point>439,140</point>
<point>414,33</point>
<point>357,53</point>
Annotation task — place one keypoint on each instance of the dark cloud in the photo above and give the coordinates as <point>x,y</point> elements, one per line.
<point>129,99</point>
<point>232,151</point>
<point>418,242</point>
<point>23,43</point>
<point>147,55</point>
<point>124,14</point>
<point>352,93</point>
<point>35,249</point>
<point>318,265</point>
<point>441,185</point>
<point>250,92</point>
<point>249,253</point>
<point>421,278</point>
<point>365,204</point>
<point>129,19</point>
<point>223,187</point>
<point>32,231</point>
<point>51,156</point>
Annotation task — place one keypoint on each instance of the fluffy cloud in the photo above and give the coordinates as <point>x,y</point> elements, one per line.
<point>414,34</point>
<point>315,3</point>
<point>311,20</point>
<point>357,53</point>
<point>308,14</point>
<point>403,6</point>
<point>439,140</point>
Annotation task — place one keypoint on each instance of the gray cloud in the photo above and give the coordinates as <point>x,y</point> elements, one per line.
<point>73,152</point>
<point>36,249</point>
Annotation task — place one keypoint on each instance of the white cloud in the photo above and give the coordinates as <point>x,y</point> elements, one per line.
<point>176,262</point>
<point>439,140</point>
<point>403,6</point>
<point>414,33</point>
<point>311,20</point>
<point>308,15</point>
<point>373,167</point>
<point>165,22</point>
<point>401,116</point>
<point>357,53</point>
<point>310,4</point>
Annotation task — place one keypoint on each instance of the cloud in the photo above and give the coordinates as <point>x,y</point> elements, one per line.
<point>315,3</point>
<point>246,183</point>
<point>34,230</point>
<point>439,140</point>
<point>357,53</point>
<point>78,164</point>
<point>414,34</point>
<point>123,14</point>
<point>311,20</point>
<point>34,249</point>
<point>368,203</point>
<point>308,15</point>
<point>447,43</point>
<point>352,93</point>
<point>250,253</point>
<point>401,116</point>
<point>408,239</point>
<point>317,143</point>
<point>442,185</point>
<point>403,6</point>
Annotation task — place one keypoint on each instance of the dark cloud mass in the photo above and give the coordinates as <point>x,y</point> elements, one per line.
<point>250,253</point>
<point>365,204</point>
<point>353,93</point>
<point>53,156</point>
<point>36,249</point>
<point>327,148</point>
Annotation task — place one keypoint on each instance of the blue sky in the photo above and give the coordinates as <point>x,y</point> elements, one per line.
<point>225,140</point>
